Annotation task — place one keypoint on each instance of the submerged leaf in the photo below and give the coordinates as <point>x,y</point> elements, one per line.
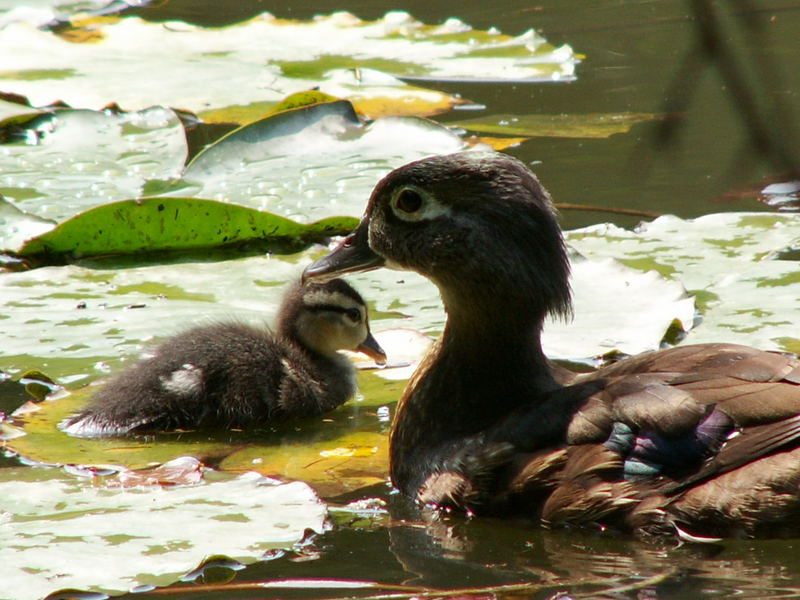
<point>158,224</point>
<point>591,125</point>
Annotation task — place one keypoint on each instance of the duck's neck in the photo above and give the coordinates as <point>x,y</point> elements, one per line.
<point>486,364</point>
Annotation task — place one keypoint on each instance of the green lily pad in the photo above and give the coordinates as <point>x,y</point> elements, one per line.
<point>137,64</point>
<point>312,162</point>
<point>61,532</point>
<point>158,224</point>
<point>591,125</point>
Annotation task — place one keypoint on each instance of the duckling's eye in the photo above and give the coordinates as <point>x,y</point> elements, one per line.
<point>353,314</point>
<point>409,201</point>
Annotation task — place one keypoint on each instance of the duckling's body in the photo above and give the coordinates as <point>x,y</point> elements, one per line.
<point>703,440</point>
<point>231,375</point>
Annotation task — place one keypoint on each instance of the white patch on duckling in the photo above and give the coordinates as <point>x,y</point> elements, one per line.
<point>186,381</point>
<point>91,427</point>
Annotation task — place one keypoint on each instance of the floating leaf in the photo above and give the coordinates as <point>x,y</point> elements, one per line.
<point>158,224</point>
<point>591,125</point>
<point>137,64</point>
<point>617,309</point>
<point>312,162</point>
<point>108,540</point>
<point>373,94</point>
<point>727,261</point>
<point>80,158</point>
<point>76,322</point>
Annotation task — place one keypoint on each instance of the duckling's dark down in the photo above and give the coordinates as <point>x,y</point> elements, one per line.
<point>702,440</point>
<point>231,375</point>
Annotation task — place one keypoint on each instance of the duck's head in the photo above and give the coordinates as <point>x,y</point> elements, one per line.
<point>479,225</point>
<point>326,317</point>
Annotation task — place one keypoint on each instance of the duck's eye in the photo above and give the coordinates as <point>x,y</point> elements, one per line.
<point>409,201</point>
<point>413,205</point>
<point>353,314</point>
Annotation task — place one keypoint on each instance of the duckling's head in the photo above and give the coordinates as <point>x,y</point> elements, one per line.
<point>326,317</point>
<point>479,225</point>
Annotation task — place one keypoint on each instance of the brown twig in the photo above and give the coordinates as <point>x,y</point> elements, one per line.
<point>609,209</point>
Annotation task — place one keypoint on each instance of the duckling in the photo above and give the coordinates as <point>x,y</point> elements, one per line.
<point>231,375</point>
<point>702,441</point>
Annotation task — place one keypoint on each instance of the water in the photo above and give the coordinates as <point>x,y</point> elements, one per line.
<point>634,53</point>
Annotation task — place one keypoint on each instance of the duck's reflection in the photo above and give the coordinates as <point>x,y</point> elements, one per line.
<point>444,551</point>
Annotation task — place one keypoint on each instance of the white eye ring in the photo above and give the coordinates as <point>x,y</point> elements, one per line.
<point>412,204</point>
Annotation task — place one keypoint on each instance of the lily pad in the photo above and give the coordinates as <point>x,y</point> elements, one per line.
<point>137,64</point>
<point>312,162</point>
<point>77,322</point>
<point>159,224</point>
<point>617,309</point>
<point>305,163</point>
<point>591,125</point>
<point>728,261</point>
<point>106,540</point>
<point>374,94</point>
<point>77,159</point>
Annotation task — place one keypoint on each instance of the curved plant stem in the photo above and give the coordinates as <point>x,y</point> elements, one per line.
<point>609,209</point>
<point>404,592</point>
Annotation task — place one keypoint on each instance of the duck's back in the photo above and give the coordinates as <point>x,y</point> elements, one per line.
<point>701,437</point>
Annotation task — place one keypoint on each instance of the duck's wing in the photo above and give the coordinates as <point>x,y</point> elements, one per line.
<point>667,427</point>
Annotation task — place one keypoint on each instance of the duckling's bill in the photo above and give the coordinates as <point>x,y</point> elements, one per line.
<point>352,254</point>
<point>370,347</point>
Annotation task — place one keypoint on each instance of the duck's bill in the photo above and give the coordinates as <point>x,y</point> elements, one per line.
<point>352,255</point>
<point>370,347</point>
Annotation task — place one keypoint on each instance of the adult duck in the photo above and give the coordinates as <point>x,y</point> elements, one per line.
<point>231,375</point>
<point>702,440</point>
